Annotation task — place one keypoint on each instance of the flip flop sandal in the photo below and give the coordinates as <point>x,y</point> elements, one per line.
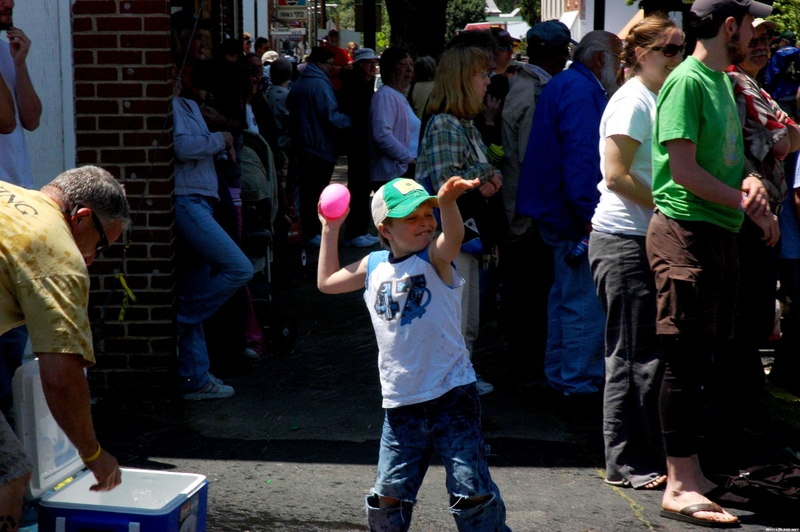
<point>686,515</point>
<point>617,483</point>
<point>658,487</point>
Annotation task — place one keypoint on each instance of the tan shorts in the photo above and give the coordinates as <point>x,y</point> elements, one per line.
<point>696,268</point>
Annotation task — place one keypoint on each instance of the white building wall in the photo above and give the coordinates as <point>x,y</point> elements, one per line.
<point>48,25</point>
<point>618,14</point>
<point>248,18</point>
<point>552,9</point>
<point>263,19</point>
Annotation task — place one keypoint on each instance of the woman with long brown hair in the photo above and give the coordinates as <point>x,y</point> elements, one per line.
<point>452,146</point>
<point>617,256</point>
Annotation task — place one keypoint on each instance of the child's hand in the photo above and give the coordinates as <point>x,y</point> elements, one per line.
<point>454,187</point>
<point>332,223</point>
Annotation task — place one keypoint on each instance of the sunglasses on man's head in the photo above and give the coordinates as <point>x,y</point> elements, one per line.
<point>670,50</point>
<point>764,39</point>
<point>102,244</point>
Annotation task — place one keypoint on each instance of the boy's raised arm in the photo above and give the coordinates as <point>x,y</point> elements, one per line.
<point>444,249</point>
<point>331,279</point>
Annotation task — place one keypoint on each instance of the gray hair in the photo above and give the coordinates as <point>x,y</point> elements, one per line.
<point>594,41</point>
<point>95,188</point>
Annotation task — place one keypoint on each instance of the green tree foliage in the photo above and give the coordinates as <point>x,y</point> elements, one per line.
<point>786,14</point>
<point>506,6</point>
<point>531,11</point>
<point>345,13</point>
<point>463,12</point>
<point>418,25</point>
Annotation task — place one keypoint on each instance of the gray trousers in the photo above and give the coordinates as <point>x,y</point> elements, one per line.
<point>626,289</point>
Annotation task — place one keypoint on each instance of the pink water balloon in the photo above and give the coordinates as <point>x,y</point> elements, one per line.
<point>334,201</point>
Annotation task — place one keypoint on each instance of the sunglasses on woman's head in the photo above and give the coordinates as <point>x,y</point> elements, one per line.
<point>670,50</point>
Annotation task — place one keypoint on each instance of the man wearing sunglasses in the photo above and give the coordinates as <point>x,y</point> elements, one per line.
<point>47,239</point>
<point>769,135</point>
<point>702,193</point>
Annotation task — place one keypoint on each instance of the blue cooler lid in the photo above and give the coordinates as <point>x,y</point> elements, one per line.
<point>53,455</point>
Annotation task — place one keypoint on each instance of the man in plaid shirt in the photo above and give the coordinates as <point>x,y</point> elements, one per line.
<point>769,136</point>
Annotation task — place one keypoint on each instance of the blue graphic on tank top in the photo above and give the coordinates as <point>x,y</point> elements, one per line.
<point>385,305</point>
<point>418,297</point>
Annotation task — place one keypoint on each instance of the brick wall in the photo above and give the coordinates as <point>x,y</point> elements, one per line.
<point>122,86</point>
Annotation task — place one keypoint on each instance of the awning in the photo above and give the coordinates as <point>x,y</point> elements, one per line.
<point>569,18</point>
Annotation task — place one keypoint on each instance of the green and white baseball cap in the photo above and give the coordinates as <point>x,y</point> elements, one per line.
<point>398,198</point>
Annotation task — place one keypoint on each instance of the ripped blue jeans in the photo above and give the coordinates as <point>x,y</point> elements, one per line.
<point>451,426</point>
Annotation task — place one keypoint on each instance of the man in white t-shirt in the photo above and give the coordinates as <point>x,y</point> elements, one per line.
<point>15,166</point>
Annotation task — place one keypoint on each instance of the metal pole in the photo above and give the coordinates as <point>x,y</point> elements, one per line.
<point>370,24</point>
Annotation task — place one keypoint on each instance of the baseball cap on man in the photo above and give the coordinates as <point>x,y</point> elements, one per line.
<point>703,8</point>
<point>398,198</point>
<point>551,32</point>
<point>766,23</point>
<point>503,37</point>
<point>269,56</point>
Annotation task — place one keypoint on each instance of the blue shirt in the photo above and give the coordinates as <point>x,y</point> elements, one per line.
<point>558,182</point>
<point>777,84</point>
<point>316,123</point>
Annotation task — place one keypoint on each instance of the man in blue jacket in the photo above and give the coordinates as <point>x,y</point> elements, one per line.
<point>558,189</point>
<point>315,126</point>
<point>783,75</point>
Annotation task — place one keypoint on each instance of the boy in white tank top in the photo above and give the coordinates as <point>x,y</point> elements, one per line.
<point>413,295</point>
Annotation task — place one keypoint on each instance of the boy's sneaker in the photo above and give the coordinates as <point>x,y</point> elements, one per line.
<point>251,353</point>
<point>214,389</point>
<point>483,386</point>
<point>362,241</point>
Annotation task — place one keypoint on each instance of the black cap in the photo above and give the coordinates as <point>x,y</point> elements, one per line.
<point>703,8</point>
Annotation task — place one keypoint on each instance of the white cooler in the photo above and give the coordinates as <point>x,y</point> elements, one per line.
<point>146,501</point>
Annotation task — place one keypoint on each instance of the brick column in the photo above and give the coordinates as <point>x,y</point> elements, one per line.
<point>123,91</point>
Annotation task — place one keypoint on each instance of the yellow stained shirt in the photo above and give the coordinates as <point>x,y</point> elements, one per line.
<point>43,277</point>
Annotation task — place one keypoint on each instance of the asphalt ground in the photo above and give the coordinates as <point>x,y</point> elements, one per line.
<point>296,448</point>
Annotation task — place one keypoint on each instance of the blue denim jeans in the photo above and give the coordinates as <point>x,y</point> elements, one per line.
<point>627,290</point>
<point>451,426</point>
<point>213,268</point>
<point>573,361</point>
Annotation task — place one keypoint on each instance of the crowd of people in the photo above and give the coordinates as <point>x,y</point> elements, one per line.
<point>646,181</point>
<point>650,182</point>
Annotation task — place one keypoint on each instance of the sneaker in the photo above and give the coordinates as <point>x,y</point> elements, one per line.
<point>375,239</point>
<point>483,386</point>
<point>214,389</point>
<point>359,242</point>
<point>251,353</point>
<point>314,242</point>
<point>214,379</point>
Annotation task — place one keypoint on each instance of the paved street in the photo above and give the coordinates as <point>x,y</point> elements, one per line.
<point>296,448</point>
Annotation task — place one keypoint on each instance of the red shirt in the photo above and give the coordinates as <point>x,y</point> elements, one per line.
<point>340,59</point>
